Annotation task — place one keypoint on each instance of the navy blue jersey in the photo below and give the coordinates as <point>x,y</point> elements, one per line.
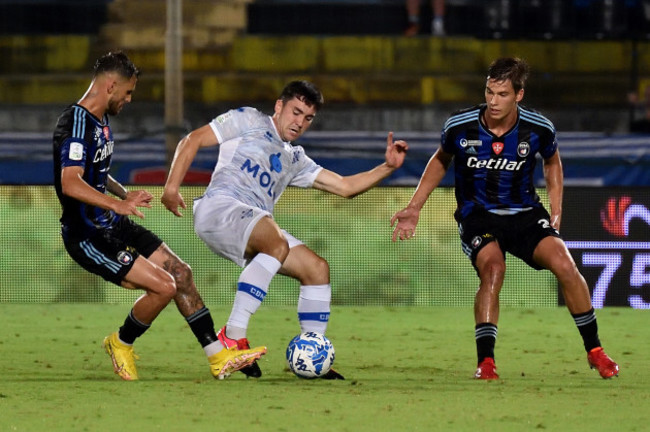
<point>81,139</point>
<point>496,172</point>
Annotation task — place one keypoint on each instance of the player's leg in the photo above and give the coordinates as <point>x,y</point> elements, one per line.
<point>313,272</point>
<point>160,288</point>
<point>268,248</point>
<point>188,300</point>
<point>552,253</point>
<point>491,267</point>
<point>219,223</point>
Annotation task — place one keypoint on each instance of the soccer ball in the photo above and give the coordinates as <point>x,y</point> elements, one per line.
<point>310,355</point>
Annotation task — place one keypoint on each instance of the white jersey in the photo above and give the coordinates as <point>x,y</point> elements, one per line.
<point>255,166</point>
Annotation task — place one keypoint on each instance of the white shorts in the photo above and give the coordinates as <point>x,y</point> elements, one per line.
<point>225,225</point>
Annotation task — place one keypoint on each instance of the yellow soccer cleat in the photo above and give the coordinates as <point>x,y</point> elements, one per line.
<point>122,357</point>
<point>230,360</point>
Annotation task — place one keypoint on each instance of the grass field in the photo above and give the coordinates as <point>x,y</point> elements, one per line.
<point>407,369</point>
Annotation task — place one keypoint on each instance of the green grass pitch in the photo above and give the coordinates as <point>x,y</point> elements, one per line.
<point>406,368</point>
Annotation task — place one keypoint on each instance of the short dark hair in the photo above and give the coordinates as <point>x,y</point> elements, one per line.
<point>512,68</point>
<point>115,62</point>
<point>304,91</point>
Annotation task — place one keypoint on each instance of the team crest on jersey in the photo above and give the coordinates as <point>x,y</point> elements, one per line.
<point>497,147</point>
<point>124,257</point>
<point>523,149</point>
<point>276,163</point>
<point>107,133</point>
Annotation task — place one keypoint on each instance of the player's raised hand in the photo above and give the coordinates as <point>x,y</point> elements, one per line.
<point>133,200</point>
<point>172,201</point>
<point>407,219</point>
<point>395,151</point>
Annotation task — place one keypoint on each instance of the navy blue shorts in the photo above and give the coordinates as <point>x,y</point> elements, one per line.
<point>518,234</point>
<point>112,252</point>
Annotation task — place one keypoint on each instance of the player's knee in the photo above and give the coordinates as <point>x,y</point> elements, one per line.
<point>182,273</point>
<point>566,269</point>
<point>166,286</point>
<point>318,272</point>
<point>493,269</point>
<point>278,250</point>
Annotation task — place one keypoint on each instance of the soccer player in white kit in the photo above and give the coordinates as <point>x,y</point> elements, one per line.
<point>235,215</point>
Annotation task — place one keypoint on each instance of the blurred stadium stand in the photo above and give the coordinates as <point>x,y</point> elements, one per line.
<point>586,55</point>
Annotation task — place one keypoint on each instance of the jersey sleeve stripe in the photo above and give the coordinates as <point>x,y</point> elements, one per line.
<point>537,119</point>
<point>79,125</point>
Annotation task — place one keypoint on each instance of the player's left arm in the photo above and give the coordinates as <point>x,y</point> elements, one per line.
<point>353,185</point>
<point>554,177</point>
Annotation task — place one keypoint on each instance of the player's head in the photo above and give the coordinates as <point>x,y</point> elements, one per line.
<point>115,62</point>
<point>509,68</point>
<point>504,88</point>
<point>296,108</point>
<point>118,76</point>
<point>305,91</point>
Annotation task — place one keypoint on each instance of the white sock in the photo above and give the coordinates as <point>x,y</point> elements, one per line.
<point>251,289</point>
<point>314,307</point>
<point>213,348</point>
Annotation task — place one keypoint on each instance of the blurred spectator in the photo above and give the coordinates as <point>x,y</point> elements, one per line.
<point>640,119</point>
<point>413,12</point>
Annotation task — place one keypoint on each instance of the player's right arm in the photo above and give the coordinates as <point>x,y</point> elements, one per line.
<point>407,218</point>
<point>184,155</point>
<point>74,186</point>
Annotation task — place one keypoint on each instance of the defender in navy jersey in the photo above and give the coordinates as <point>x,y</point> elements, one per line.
<point>493,146</point>
<point>100,237</point>
<point>256,163</point>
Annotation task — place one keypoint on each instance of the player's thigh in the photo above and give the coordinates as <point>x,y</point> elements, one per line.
<point>306,266</point>
<point>148,276</point>
<point>490,260</point>
<point>267,238</point>
<point>551,253</point>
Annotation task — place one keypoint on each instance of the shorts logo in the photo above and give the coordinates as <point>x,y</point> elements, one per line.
<point>476,241</point>
<point>124,257</point>
<point>523,149</point>
<point>497,147</point>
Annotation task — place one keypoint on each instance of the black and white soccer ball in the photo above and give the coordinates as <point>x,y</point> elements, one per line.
<point>310,355</point>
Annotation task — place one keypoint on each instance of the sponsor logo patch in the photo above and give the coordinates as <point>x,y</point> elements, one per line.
<point>470,143</point>
<point>76,152</point>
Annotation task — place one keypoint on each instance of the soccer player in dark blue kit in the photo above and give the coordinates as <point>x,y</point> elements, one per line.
<point>494,146</point>
<point>99,235</point>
